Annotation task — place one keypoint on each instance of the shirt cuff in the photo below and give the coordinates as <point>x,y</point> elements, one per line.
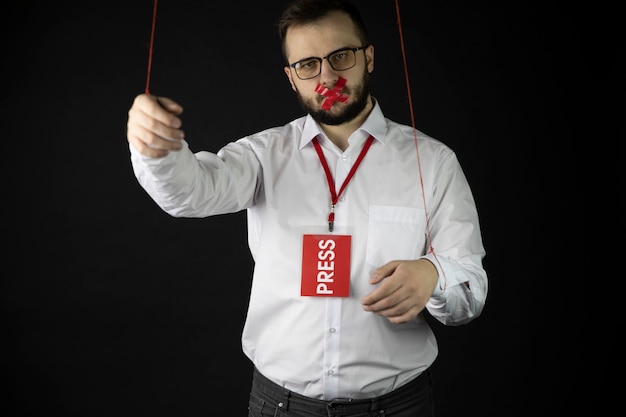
<point>446,273</point>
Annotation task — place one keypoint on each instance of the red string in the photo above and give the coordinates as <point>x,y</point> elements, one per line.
<point>419,163</point>
<point>151,47</point>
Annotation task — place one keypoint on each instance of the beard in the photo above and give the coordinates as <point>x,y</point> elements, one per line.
<point>339,113</point>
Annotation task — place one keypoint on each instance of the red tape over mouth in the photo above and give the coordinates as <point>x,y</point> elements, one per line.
<point>332,95</point>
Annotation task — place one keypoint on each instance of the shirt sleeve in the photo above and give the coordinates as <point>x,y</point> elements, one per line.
<point>457,250</point>
<point>187,184</point>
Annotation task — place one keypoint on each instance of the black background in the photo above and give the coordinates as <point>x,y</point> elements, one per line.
<point>113,308</point>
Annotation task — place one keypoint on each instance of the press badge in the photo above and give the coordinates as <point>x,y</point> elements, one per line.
<point>325,265</point>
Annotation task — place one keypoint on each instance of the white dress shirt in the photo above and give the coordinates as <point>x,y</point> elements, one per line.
<point>329,347</point>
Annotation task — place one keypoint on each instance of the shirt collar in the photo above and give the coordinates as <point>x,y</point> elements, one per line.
<point>374,125</point>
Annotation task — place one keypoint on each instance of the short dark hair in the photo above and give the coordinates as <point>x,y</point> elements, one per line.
<point>302,12</point>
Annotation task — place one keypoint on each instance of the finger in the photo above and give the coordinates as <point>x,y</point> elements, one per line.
<point>149,144</point>
<point>147,128</point>
<point>405,317</point>
<point>162,109</point>
<point>144,149</point>
<point>383,297</point>
<point>150,124</point>
<point>382,272</point>
<point>400,313</point>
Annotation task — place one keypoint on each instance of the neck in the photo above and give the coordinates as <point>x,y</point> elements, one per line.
<point>340,134</point>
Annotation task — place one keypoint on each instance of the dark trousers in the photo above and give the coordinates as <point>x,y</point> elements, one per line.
<point>414,399</point>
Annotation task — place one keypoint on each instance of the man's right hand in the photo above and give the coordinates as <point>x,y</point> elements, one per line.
<point>153,126</point>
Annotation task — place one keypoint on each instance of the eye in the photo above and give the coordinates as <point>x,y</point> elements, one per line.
<point>340,56</point>
<point>307,64</point>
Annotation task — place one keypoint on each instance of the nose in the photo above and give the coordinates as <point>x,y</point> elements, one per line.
<point>328,76</point>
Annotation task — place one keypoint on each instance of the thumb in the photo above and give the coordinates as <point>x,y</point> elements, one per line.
<point>170,105</point>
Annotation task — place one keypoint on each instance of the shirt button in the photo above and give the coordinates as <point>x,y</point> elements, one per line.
<point>330,372</point>
<point>344,158</point>
<point>332,330</point>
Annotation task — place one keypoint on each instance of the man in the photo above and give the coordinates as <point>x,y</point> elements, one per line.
<point>356,225</point>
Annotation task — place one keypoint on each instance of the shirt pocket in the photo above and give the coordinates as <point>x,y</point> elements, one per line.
<point>394,233</point>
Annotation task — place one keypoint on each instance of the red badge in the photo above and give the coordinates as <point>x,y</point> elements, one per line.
<point>326,266</point>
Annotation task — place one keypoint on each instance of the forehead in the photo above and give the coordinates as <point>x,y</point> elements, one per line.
<point>321,37</point>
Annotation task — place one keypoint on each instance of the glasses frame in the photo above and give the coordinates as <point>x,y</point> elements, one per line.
<point>321,61</point>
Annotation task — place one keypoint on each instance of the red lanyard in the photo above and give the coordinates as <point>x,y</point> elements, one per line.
<point>334,196</point>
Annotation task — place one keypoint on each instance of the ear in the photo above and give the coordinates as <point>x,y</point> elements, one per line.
<point>369,58</point>
<point>289,76</point>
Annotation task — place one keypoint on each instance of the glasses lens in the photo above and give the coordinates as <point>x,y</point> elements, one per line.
<point>342,60</point>
<point>308,68</point>
<point>339,61</point>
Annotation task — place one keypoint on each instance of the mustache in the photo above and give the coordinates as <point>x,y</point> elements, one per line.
<point>346,90</point>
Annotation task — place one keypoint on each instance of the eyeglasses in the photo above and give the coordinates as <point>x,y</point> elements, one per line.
<point>339,60</point>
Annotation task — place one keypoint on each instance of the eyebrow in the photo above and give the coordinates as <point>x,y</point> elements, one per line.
<point>328,54</point>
